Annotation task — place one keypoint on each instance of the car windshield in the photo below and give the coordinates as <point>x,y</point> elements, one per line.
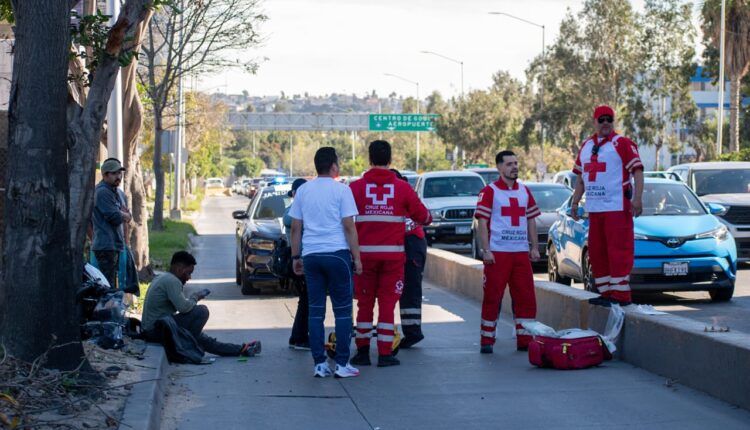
<point>489,177</point>
<point>721,181</point>
<point>412,180</point>
<point>670,199</point>
<point>548,199</point>
<point>272,205</point>
<point>214,183</point>
<point>453,186</point>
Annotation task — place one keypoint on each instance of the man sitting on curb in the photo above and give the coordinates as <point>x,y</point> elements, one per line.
<point>165,298</point>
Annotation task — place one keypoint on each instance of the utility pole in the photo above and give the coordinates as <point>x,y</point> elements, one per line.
<point>720,110</point>
<point>176,212</point>
<point>114,107</point>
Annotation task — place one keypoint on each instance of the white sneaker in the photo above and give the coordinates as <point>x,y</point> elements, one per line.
<point>346,371</point>
<point>322,370</point>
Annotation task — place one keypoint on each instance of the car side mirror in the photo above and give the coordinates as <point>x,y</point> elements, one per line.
<point>717,209</point>
<point>239,215</point>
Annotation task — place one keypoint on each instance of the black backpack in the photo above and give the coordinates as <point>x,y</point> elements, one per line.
<point>281,259</point>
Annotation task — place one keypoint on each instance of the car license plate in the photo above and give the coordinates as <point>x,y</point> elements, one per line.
<point>675,269</point>
<point>463,229</point>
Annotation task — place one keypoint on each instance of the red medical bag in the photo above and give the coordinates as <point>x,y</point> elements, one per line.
<point>564,354</point>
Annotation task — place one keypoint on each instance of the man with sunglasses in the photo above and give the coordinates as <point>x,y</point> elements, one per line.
<point>605,165</point>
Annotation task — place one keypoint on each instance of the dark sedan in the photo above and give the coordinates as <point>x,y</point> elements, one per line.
<point>549,197</point>
<point>257,228</point>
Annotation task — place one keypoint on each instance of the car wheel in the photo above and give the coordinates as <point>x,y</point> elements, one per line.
<point>553,270</point>
<point>238,274</point>
<point>722,295</point>
<point>588,274</point>
<point>247,287</point>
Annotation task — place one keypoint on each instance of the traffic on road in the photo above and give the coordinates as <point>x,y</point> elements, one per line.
<point>691,243</point>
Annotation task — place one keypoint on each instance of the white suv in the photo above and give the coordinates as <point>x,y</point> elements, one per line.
<point>451,197</point>
<point>726,183</point>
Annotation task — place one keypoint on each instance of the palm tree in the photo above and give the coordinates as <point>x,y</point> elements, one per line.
<point>736,51</point>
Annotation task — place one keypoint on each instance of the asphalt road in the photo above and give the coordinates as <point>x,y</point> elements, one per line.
<point>696,305</point>
<point>443,383</point>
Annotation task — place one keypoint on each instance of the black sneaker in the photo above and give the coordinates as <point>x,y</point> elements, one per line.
<point>522,348</point>
<point>300,346</point>
<point>601,301</point>
<point>410,341</point>
<point>362,358</point>
<point>486,349</point>
<point>387,360</point>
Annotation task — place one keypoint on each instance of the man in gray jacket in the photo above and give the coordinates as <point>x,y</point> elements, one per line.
<point>165,299</point>
<point>109,217</point>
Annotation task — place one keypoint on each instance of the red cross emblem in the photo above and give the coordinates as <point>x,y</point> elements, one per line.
<point>514,211</point>
<point>379,195</point>
<point>593,168</point>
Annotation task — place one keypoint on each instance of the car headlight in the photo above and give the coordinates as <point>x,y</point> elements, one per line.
<point>640,237</point>
<point>720,233</point>
<point>260,243</point>
<point>436,214</point>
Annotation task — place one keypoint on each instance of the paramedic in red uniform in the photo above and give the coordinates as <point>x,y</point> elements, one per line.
<point>384,202</point>
<point>604,167</point>
<point>508,240</point>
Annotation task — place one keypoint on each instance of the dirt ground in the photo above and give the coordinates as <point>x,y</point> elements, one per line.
<point>45,399</point>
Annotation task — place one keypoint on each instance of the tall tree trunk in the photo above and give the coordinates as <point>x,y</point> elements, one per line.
<point>734,112</point>
<point>133,121</point>
<point>37,276</point>
<point>157,221</point>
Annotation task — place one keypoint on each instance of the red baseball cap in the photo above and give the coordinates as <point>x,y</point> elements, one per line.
<point>603,110</point>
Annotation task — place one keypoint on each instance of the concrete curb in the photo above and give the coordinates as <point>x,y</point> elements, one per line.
<point>672,346</point>
<point>143,407</point>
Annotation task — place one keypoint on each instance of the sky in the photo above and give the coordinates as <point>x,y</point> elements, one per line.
<point>347,46</point>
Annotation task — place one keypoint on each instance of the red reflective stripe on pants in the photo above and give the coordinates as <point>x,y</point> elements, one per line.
<point>611,247</point>
<point>383,281</point>
<point>512,269</point>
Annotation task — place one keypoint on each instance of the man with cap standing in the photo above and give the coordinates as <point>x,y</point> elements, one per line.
<point>300,338</point>
<point>605,165</point>
<point>109,217</point>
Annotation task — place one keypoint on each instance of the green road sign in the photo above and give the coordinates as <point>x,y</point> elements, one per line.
<point>402,122</point>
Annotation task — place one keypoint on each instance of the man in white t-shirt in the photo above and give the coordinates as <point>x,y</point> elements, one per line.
<point>330,252</point>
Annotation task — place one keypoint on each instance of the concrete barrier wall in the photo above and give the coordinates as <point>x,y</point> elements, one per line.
<point>674,347</point>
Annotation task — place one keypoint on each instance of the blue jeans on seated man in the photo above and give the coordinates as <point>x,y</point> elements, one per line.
<point>331,273</point>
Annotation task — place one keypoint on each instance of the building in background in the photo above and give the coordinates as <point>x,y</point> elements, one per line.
<point>706,96</point>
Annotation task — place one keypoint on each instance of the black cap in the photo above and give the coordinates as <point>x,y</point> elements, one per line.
<point>296,184</point>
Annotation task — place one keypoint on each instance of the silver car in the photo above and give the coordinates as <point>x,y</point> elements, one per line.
<point>725,183</point>
<point>451,197</point>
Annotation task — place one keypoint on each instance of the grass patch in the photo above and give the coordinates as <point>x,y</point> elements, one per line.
<point>162,244</point>
<point>138,301</point>
<point>194,201</point>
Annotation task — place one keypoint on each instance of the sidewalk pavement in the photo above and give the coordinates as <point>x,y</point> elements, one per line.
<point>443,383</point>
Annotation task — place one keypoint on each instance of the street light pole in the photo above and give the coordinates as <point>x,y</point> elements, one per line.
<point>459,62</point>
<point>419,102</point>
<point>541,89</point>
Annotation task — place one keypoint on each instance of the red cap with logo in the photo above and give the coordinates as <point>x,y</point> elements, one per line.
<point>603,110</point>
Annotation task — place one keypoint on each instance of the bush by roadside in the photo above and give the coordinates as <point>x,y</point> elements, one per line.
<point>162,244</point>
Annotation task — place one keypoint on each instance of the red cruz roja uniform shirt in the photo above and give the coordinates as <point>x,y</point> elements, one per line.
<point>606,171</point>
<point>507,211</point>
<point>384,203</point>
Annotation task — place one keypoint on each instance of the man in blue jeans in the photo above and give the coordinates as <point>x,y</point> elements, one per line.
<point>330,253</point>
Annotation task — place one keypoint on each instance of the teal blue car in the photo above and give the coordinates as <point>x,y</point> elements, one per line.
<point>680,244</point>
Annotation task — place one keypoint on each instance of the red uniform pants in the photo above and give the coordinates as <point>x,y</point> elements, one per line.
<point>513,269</point>
<point>382,280</point>
<point>611,250</point>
